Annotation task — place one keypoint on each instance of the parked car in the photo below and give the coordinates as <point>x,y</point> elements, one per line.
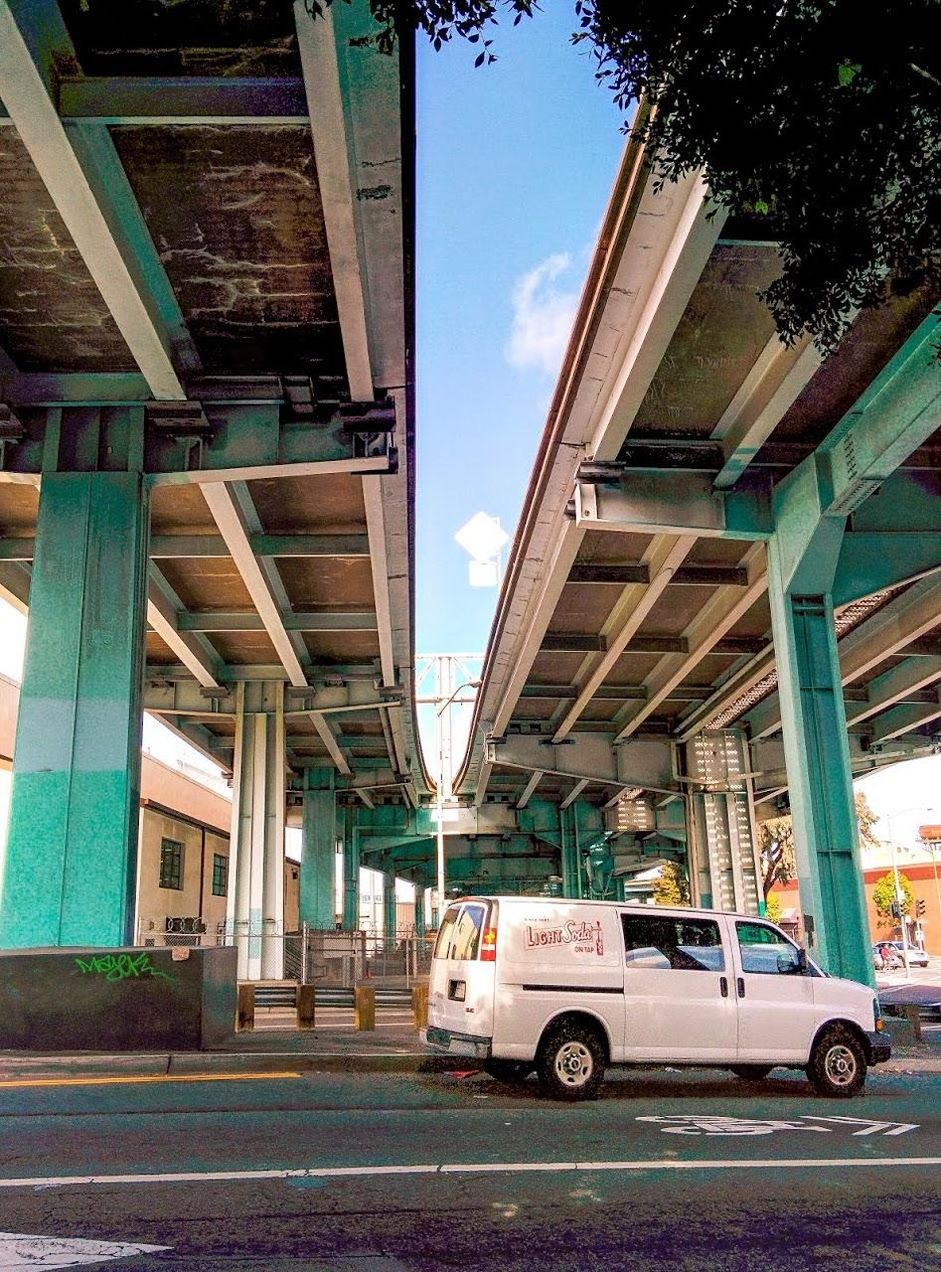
<point>916,957</point>
<point>566,988</point>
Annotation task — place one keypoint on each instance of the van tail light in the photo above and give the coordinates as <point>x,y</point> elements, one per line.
<point>488,945</point>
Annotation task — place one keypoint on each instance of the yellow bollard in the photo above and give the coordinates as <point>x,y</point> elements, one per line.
<point>245,1009</point>
<point>306,1002</point>
<point>420,1005</point>
<point>364,1007</point>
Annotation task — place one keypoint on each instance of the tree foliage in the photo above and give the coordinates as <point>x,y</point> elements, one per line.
<point>672,886</point>
<point>776,843</point>
<point>883,896</point>
<point>816,119</point>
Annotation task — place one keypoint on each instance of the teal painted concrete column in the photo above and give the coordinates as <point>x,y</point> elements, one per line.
<point>567,857</point>
<point>255,913</point>
<point>351,862</point>
<point>419,910</point>
<point>318,851</point>
<point>71,858</point>
<point>388,910</point>
<point>816,753</point>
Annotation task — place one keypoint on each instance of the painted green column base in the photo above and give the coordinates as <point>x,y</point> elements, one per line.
<point>70,863</point>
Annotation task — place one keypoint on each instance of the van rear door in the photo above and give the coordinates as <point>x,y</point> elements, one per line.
<point>460,985</point>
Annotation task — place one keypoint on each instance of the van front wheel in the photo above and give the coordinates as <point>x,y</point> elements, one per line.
<point>571,1062</point>
<point>837,1064</point>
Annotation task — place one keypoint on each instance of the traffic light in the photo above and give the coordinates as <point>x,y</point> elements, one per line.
<point>919,907</point>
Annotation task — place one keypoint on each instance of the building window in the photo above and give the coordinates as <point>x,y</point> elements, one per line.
<point>171,864</point>
<point>220,874</point>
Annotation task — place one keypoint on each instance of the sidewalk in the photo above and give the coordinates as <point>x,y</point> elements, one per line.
<point>392,1048</point>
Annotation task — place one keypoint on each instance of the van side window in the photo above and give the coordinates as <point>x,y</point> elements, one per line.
<point>766,951</point>
<point>459,937</point>
<point>672,944</point>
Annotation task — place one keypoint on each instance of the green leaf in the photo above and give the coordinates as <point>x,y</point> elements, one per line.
<point>846,72</point>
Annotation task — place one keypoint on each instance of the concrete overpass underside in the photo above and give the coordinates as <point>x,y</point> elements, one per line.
<point>206,437</point>
<point>724,589</point>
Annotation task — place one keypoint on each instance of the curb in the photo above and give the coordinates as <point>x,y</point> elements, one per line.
<point>183,1064</point>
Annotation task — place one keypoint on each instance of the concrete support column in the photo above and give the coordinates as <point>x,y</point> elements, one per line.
<point>70,869</point>
<point>816,752</point>
<point>388,910</point>
<point>722,837</point>
<point>419,908</point>
<point>319,851</point>
<point>256,901</point>
<point>571,864</point>
<point>351,863</point>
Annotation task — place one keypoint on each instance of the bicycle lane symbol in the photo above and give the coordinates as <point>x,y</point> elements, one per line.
<point>716,1124</point>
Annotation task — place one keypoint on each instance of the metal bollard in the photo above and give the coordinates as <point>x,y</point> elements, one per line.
<point>245,1009</point>
<point>914,1019</point>
<point>306,1002</point>
<point>420,1005</point>
<point>364,1007</point>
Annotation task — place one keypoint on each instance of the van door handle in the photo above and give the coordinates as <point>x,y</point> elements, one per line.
<point>741,987</point>
<point>723,987</point>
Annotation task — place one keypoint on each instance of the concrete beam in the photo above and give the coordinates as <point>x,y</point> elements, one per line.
<point>229,518</point>
<point>529,789</point>
<point>263,545</point>
<point>197,99</point>
<point>661,503</point>
<point>714,620</point>
<point>194,652</point>
<point>317,45</point>
<point>663,557</point>
<point>37,121</point>
<point>248,621</point>
<point>643,762</point>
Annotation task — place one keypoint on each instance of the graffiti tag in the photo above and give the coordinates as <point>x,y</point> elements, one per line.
<point>119,967</point>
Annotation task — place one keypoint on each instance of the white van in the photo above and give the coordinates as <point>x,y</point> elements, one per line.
<point>566,988</point>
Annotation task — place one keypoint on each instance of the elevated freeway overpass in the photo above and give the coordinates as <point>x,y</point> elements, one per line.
<point>723,588</point>
<point>724,585</point>
<point>206,438</point>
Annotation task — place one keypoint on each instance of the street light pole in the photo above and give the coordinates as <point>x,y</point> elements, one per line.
<point>899,895</point>
<point>467,684</point>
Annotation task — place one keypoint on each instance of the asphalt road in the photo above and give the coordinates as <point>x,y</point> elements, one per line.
<point>367,1173</point>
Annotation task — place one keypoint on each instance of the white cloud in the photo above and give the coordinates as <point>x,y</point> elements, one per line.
<point>543,310</point>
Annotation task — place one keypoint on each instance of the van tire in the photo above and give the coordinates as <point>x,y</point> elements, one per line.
<point>510,1071</point>
<point>571,1062</point>
<point>837,1063</point>
<point>752,1072</point>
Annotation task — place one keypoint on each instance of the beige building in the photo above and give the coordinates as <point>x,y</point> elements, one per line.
<point>183,866</point>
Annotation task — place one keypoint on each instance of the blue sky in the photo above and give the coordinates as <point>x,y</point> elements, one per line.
<point>515,163</point>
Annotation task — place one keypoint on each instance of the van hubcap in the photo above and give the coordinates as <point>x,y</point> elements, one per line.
<point>573,1063</point>
<point>840,1065</point>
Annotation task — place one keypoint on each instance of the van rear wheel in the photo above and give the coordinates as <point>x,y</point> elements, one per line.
<point>512,1071</point>
<point>837,1063</point>
<point>752,1072</point>
<point>571,1062</point>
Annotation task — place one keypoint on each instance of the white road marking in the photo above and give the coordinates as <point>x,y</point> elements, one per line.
<point>459,1168</point>
<point>21,1250</point>
<point>719,1124</point>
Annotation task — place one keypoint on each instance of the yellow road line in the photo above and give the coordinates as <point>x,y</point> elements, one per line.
<point>141,1079</point>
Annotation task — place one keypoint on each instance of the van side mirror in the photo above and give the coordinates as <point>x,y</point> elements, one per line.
<point>802,960</point>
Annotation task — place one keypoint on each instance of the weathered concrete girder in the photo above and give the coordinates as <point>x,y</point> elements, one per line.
<point>644,762</point>
<point>184,698</point>
<point>201,443</point>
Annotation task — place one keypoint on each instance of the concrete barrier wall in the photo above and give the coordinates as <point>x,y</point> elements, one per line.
<point>116,999</point>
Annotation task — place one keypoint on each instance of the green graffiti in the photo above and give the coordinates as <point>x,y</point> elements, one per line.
<point>119,967</point>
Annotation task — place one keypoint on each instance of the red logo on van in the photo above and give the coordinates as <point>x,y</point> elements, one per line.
<point>587,938</point>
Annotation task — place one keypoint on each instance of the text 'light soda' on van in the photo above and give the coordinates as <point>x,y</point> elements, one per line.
<point>566,988</point>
